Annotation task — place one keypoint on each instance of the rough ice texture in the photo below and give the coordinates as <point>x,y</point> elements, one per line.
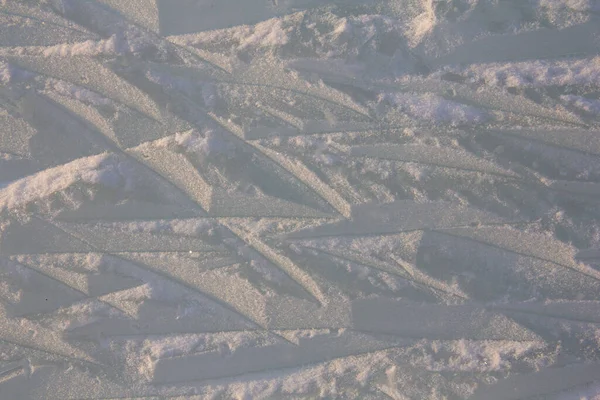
<point>299,199</point>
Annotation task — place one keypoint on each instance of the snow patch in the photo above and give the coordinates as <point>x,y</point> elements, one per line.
<point>269,33</point>
<point>435,109</point>
<point>209,143</point>
<point>109,46</point>
<point>95,170</point>
<point>588,105</point>
<point>575,5</point>
<point>537,73</point>
<point>76,92</point>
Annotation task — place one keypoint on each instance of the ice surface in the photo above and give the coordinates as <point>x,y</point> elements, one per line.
<point>299,199</point>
